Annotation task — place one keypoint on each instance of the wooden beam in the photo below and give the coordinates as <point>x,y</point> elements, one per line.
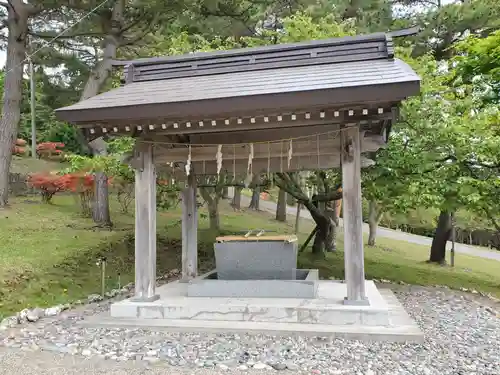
<point>260,135</point>
<point>327,144</point>
<point>353,221</point>
<point>302,163</point>
<point>145,226</point>
<point>189,230</point>
<point>260,150</point>
<point>155,128</point>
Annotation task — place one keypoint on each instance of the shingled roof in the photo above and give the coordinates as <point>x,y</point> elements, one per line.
<point>338,73</point>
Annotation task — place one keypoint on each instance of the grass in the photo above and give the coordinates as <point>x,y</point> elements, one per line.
<point>49,253</point>
<point>25,165</point>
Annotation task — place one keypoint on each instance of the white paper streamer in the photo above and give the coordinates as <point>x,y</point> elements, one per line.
<point>249,166</point>
<point>290,153</point>
<point>219,159</point>
<point>188,162</point>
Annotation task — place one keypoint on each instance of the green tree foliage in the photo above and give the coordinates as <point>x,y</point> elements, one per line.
<point>446,23</point>
<point>478,62</point>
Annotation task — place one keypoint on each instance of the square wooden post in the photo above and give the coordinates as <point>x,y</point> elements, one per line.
<point>189,230</point>
<point>353,221</point>
<point>145,225</point>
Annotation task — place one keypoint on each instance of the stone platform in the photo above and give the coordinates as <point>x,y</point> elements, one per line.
<point>327,308</point>
<point>326,315</point>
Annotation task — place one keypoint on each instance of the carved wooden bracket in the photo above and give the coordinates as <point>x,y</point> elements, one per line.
<point>348,149</point>
<point>136,158</point>
<point>137,161</point>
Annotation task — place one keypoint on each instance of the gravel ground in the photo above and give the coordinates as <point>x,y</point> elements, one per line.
<point>16,362</point>
<point>462,337</point>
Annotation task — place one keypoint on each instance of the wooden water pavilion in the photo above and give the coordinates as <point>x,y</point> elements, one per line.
<point>291,107</point>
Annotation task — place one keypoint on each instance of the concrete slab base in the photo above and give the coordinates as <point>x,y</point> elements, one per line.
<point>326,308</point>
<point>400,327</point>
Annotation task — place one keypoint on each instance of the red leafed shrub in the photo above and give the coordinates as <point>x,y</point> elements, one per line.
<point>17,150</point>
<point>78,182</point>
<point>82,184</point>
<point>49,150</point>
<point>48,183</point>
<point>162,182</point>
<point>51,183</point>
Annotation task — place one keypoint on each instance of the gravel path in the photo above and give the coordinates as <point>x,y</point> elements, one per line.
<point>462,337</point>
<point>385,232</point>
<point>16,362</point>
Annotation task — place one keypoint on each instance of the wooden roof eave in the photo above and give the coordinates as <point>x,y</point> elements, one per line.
<point>247,105</point>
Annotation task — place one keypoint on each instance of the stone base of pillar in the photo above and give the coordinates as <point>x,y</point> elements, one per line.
<point>359,302</point>
<point>145,299</point>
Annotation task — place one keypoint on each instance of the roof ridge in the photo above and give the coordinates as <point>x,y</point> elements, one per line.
<point>325,51</point>
<point>380,36</point>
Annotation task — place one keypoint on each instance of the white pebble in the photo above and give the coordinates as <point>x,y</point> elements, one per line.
<point>260,366</point>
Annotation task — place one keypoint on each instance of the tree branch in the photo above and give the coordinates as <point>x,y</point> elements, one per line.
<point>138,37</point>
<point>65,36</point>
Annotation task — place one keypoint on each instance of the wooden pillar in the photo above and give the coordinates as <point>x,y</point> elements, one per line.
<point>145,225</point>
<point>353,222</point>
<point>189,230</point>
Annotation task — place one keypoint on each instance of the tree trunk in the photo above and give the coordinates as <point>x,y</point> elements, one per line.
<point>17,22</point>
<point>374,215</point>
<point>212,206</point>
<point>441,237</point>
<point>281,206</point>
<point>326,236</point>
<point>98,76</point>
<point>100,212</point>
<point>297,218</point>
<point>236,202</point>
<point>100,208</point>
<point>319,240</point>
<point>255,201</point>
<point>225,192</point>
<point>213,214</point>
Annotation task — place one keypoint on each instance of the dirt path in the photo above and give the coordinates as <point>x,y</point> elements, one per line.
<point>386,233</point>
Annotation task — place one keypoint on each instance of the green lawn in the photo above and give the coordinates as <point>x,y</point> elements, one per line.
<point>27,164</point>
<point>49,253</point>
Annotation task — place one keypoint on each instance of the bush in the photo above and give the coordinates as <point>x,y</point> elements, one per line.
<point>81,184</point>
<point>48,183</point>
<point>50,150</point>
<point>167,194</point>
<point>18,148</point>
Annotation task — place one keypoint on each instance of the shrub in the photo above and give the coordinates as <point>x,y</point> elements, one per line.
<point>48,183</point>
<point>18,148</point>
<point>81,184</point>
<point>167,194</point>
<point>49,150</point>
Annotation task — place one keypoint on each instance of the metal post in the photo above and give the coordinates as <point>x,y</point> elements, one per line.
<point>452,257</point>
<point>33,114</point>
<point>103,277</point>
